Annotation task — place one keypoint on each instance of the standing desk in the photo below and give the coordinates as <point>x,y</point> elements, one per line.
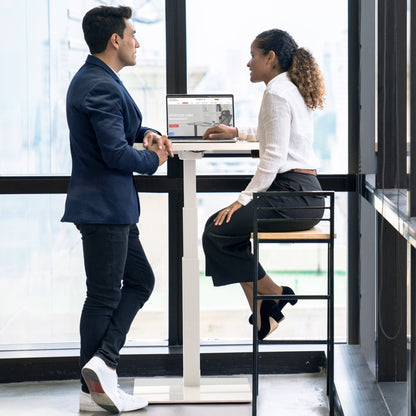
<point>192,388</point>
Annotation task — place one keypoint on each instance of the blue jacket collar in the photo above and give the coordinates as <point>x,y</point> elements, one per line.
<point>97,61</point>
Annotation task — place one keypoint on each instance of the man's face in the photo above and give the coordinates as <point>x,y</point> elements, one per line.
<point>127,46</point>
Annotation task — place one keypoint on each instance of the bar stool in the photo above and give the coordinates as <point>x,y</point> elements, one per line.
<point>322,233</point>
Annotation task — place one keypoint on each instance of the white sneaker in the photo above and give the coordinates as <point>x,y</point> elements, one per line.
<point>130,402</point>
<point>102,384</point>
<point>104,390</point>
<point>87,404</point>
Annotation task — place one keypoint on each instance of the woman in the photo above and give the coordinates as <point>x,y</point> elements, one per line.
<point>294,88</point>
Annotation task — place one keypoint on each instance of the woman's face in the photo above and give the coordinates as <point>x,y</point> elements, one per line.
<point>262,67</point>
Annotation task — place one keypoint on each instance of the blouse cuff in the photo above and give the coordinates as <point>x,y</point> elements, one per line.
<point>244,199</point>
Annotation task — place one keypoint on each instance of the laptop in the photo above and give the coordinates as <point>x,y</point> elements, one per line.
<point>190,115</point>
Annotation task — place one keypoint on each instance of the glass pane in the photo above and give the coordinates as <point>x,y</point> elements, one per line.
<point>42,272</point>
<point>217,61</point>
<point>25,99</point>
<point>34,135</point>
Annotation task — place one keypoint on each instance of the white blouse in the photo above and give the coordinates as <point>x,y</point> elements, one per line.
<point>285,135</point>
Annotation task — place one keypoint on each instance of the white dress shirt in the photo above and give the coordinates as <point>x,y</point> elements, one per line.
<point>285,135</point>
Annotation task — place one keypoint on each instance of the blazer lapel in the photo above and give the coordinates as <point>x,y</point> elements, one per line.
<point>131,99</point>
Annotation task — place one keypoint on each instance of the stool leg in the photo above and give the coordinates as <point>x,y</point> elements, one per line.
<point>331,391</point>
<point>255,381</point>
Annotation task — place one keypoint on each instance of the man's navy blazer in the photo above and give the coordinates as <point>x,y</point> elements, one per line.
<point>104,122</point>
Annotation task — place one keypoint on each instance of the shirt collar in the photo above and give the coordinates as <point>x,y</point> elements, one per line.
<point>278,79</point>
<point>114,71</point>
<point>97,61</point>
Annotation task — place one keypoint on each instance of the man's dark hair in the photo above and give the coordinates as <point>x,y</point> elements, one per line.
<point>101,22</point>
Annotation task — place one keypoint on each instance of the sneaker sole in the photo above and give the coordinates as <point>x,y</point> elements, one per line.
<point>97,392</point>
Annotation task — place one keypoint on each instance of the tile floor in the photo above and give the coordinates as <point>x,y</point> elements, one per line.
<point>395,395</point>
<point>285,395</point>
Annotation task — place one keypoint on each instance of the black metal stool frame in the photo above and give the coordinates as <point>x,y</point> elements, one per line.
<point>330,286</point>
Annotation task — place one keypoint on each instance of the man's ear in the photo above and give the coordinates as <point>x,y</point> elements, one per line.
<point>114,38</point>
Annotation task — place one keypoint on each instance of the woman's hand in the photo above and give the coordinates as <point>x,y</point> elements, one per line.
<point>221,131</point>
<point>226,213</point>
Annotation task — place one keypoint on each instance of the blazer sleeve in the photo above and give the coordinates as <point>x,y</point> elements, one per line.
<point>104,105</point>
<point>142,131</point>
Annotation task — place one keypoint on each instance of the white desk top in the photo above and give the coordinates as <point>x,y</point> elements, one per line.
<point>239,146</point>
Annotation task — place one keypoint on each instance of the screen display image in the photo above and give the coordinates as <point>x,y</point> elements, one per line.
<point>191,116</point>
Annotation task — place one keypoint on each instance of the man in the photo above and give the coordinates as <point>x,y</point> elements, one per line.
<point>102,202</point>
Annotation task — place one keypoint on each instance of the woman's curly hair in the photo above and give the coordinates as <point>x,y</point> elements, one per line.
<point>298,62</point>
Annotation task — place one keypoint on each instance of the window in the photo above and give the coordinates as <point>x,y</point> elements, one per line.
<point>47,50</point>
<point>217,58</point>
<point>42,272</point>
<point>41,261</point>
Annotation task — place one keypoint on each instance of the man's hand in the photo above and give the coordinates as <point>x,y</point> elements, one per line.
<point>152,139</point>
<point>221,131</point>
<point>162,153</point>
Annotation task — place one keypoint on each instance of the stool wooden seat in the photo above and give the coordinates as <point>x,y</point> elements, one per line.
<point>315,233</point>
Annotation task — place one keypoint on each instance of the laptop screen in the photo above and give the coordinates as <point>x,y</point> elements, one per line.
<point>189,116</point>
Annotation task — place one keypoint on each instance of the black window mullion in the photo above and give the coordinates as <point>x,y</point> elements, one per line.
<point>176,83</point>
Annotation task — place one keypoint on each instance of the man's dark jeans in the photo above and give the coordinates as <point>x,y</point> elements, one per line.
<point>119,282</point>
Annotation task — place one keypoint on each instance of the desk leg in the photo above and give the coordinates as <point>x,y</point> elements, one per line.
<point>192,389</point>
<point>190,279</point>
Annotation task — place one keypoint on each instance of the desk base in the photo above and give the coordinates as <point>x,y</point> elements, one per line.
<point>164,390</point>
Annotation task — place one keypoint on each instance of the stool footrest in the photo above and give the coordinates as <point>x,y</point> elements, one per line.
<point>322,342</point>
<point>294,240</point>
<point>292,297</point>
